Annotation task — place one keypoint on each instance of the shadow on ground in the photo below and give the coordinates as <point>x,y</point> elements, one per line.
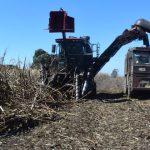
<point>120,97</point>
<point>111,97</point>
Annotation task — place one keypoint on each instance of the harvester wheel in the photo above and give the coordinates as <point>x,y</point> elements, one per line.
<point>92,93</point>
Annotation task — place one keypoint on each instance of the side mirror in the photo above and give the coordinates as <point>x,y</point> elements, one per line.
<point>53,49</point>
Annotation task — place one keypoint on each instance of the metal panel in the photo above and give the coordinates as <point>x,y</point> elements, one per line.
<point>60,22</point>
<point>145,24</point>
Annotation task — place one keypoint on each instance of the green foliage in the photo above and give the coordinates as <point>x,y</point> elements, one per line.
<point>40,57</point>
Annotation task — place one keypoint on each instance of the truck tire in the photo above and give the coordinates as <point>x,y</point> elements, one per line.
<point>129,91</point>
<point>125,87</point>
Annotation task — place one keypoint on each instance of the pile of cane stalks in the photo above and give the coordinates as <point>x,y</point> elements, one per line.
<point>24,102</point>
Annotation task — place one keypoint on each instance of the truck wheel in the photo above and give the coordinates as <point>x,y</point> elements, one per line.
<point>130,93</point>
<point>125,87</point>
<point>125,90</point>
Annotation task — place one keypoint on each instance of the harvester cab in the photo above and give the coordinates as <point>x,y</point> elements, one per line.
<point>75,53</point>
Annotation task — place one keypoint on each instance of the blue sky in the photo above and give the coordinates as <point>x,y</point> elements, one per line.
<point>23,22</point>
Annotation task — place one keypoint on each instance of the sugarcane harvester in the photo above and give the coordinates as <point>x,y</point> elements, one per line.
<point>76,63</point>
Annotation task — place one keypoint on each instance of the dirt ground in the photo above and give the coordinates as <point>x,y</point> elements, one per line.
<point>35,117</point>
<point>108,122</point>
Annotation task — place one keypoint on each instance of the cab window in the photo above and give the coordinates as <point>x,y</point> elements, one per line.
<point>141,57</point>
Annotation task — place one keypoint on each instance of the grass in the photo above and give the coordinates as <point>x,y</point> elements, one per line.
<point>107,84</point>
